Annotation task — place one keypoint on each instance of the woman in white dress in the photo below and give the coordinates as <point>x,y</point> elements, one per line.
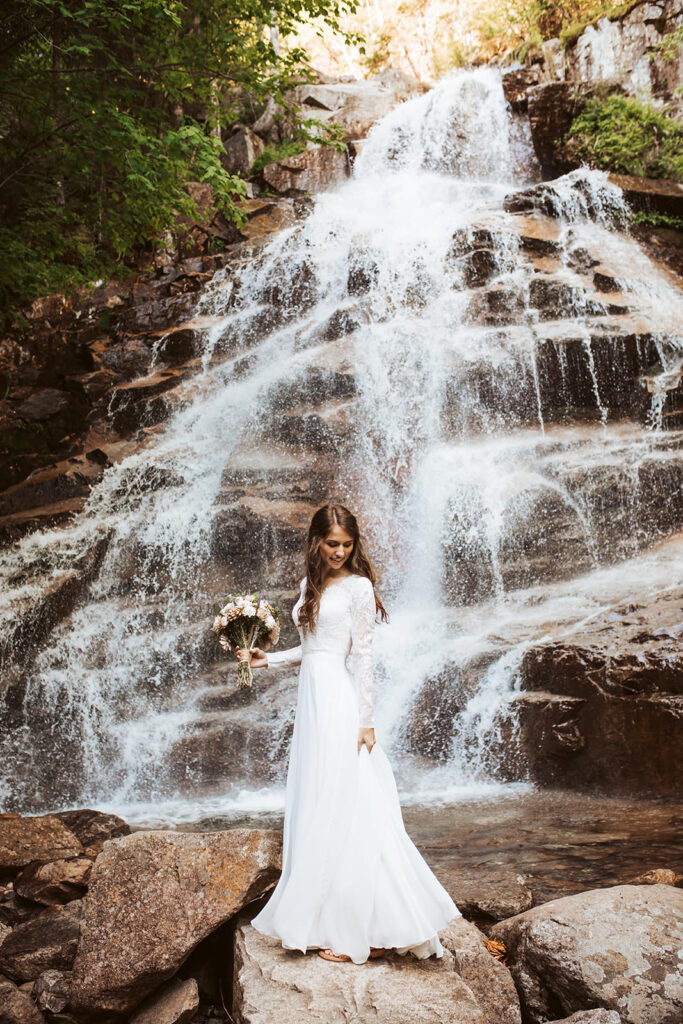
<point>353,884</point>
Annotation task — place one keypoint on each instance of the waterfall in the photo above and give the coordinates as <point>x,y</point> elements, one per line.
<point>441,365</point>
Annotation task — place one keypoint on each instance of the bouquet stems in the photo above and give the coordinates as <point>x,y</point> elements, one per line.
<point>245,676</point>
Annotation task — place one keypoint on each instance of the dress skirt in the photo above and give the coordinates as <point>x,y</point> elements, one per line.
<point>351,876</point>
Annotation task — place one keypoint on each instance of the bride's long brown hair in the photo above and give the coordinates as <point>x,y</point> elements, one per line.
<point>358,562</point>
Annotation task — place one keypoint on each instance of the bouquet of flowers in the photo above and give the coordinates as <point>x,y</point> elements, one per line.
<point>245,621</point>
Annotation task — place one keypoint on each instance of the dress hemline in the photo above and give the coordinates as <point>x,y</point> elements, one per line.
<point>401,950</point>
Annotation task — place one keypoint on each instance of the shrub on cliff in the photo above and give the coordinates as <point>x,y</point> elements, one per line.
<point>621,134</point>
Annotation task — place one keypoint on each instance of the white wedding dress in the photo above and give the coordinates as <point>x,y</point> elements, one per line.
<point>351,876</point>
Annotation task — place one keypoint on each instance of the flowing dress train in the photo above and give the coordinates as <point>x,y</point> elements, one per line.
<point>351,876</point>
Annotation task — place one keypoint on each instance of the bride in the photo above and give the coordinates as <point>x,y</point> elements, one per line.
<point>353,884</point>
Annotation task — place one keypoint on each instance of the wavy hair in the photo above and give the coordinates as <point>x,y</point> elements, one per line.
<point>357,563</point>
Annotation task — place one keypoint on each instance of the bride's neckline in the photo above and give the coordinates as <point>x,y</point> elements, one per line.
<point>337,579</point>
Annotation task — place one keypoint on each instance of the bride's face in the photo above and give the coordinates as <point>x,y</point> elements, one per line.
<point>336,548</point>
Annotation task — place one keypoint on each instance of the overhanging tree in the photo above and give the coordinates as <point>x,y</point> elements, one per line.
<point>108,108</point>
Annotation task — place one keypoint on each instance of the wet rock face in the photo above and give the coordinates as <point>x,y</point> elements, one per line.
<point>626,47</point>
<point>73,371</point>
<point>538,334</point>
<point>565,536</point>
<point>352,106</point>
<point>600,710</point>
<point>516,86</point>
<point>429,723</point>
<point>615,948</point>
<point>552,107</point>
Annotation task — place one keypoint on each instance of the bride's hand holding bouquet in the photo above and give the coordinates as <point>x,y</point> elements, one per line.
<point>244,620</point>
<point>256,657</point>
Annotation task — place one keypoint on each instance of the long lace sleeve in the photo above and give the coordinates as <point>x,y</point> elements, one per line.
<point>289,657</point>
<point>293,655</point>
<point>363,612</point>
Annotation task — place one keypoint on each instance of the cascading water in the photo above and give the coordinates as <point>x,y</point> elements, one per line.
<point>443,367</point>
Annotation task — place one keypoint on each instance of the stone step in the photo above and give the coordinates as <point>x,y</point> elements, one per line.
<point>230,745</point>
<point>62,481</point>
<point>33,604</point>
<point>50,516</point>
<point>465,986</point>
<point>328,430</point>
<point>561,370</point>
<point>254,529</point>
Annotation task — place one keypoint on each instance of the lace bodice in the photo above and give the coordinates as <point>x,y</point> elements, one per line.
<point>345,625</point>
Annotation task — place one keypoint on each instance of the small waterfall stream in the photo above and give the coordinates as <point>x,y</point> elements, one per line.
<point>448,370</point>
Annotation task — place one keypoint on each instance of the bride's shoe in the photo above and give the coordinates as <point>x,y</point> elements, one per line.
<point>342,958</point>
<point>337,958</point>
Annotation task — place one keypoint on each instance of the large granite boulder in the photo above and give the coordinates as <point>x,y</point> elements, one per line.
<point>174,1003</point>
<point>626,46</point>
<point>352,106</point>
<point>597,1016</point>
<point>356,106</point>
<point>153,896</point>
<point>92,827</point>
<point>616,948</point>
<point>56,882</point>
<point>42,838</point>
<point>17,1007</point>
<point>242,147</point>
<point>466,986</point>
<point>50,991</point>
<point>47,942</point>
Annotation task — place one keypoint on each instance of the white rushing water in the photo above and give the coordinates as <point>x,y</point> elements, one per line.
<point>505,498</point>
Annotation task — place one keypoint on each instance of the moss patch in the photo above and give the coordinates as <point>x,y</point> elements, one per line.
<point>574,31</point>
<point>654,219</point>
<point>271,154</point>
